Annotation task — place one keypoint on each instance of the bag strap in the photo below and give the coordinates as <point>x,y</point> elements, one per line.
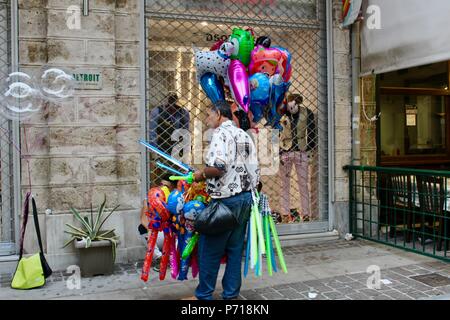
<point>36,224</point>
<point>26,212</point>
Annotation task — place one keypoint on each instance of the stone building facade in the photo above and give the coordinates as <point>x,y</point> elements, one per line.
<point>87,148</point>
<point>77,152</point>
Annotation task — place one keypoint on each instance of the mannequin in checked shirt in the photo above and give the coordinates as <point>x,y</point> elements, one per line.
<point>297,141</point>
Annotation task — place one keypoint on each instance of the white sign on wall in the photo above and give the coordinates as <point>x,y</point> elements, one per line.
<point>91,79</point>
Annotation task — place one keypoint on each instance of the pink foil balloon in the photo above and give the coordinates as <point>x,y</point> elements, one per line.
<point>239,84</point>
<point>174,259</point>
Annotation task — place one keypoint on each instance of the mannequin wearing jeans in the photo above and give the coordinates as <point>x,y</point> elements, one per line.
<point>297,141</point>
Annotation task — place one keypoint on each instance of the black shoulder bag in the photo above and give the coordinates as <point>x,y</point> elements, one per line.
<point>217,217</point>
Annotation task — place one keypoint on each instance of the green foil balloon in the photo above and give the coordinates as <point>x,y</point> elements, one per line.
<point>244,43</point>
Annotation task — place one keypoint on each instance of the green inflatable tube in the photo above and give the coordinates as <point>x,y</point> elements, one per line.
<point>254,240</point>
<point>190,246</point>
<point>278,245</point>
<point>268,239</point>
<point>259,225</point>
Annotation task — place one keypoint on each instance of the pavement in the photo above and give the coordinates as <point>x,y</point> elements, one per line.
<point>333,270</point>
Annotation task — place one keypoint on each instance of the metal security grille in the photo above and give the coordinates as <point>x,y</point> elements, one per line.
<point>7,222</point>
<point>173,28</point>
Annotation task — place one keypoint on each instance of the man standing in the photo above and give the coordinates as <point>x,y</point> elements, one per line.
<point>163,122</point>
<point>231,172</point>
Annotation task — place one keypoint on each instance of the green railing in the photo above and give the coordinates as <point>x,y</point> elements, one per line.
<point>405,208</point>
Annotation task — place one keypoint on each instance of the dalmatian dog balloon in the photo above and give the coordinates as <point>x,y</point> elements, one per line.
<point>216,62</point>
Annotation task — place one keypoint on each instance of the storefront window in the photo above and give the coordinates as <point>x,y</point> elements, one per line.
<point>414,121</point>
<point>413,125</point>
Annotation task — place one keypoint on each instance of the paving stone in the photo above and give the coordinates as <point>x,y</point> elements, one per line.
<point>251,295</point>
<point>381,297</point>
<point>333,295</point>
<point>319,296</point>
<point>312,283</point>
<point>264,290</point>
<point>279,287</point>
<point>403,271</point>
<point>273,296</point>
<point>370,292</point>
<point>396,295</point>
<point>421,287</point>
<point>433,293</point>
<point>343,279</point>
<point>358,296</point>
<point>299,286</point>
<point>346,291</point>
<point>356,285</point>
<point>290,293</point>
<point>445,289</point>
<point>417,295</point>
<point>336,285</point>
<point>359,276</point>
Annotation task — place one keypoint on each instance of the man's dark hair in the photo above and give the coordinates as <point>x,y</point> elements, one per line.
<point>260,185</point>
<point>166,177</point>
<point>223,107</point>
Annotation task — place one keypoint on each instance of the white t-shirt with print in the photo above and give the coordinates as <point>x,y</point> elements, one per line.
<point>223,154</point>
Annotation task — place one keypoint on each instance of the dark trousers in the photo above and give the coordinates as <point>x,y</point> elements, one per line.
<point>213,247</point>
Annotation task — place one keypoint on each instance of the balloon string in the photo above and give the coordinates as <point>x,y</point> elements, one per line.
<point>15,146</point>
<point>27,160</point>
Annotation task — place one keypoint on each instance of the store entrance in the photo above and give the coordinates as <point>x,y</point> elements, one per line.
<point>294,179</point>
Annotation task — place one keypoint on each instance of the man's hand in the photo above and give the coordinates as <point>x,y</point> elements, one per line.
<point>198,176</point>
<point>207,173</point>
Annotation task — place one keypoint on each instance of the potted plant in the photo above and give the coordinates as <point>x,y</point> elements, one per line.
<point>97,247</point>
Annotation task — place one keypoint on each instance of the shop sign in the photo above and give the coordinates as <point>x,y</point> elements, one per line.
<point>91,79</point>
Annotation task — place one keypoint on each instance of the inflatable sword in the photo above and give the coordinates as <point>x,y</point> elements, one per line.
<point>166,156</point>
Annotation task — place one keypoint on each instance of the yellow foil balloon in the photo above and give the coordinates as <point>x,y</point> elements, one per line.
<point>166,192</point>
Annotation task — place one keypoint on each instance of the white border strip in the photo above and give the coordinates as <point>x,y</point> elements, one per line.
<point>143,94</point>
<point>16,124</point>
<point>331,142</point>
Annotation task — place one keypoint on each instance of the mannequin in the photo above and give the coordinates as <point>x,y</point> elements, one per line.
<point>297,141</point>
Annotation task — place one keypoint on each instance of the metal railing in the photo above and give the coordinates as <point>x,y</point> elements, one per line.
<point>405,208</point>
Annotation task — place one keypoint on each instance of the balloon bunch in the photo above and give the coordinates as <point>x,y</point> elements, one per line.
<point>174,214</point>
<point>260,230</point>
<point>254,73</point>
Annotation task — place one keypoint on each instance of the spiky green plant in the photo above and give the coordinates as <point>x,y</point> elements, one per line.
<point>90,229</point>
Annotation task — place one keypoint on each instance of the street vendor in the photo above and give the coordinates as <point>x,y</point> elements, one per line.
<point>231,172</point>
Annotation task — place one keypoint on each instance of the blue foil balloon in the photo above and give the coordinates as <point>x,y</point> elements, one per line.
<point>212,87</point>
<point>175,202</point>
<point>260,94</point>
<point>277,93</point>
<point>192,209</point>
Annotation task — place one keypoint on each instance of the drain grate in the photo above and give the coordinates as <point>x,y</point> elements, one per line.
<point>433,280</point>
